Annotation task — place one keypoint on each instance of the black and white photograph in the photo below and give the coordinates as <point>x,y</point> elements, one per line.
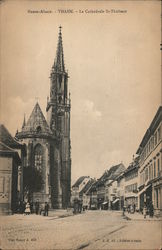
<point>80,125</point>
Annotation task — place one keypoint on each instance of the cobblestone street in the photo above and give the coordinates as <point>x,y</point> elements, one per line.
<point>90,230</point>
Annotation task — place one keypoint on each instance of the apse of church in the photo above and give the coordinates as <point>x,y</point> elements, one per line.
<point>48,142</point>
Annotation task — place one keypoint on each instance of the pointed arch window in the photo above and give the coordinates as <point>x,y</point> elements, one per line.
<point>38,157</point>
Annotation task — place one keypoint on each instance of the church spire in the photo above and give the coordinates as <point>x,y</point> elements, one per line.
<point>59,59</point>
<point>24,122</point>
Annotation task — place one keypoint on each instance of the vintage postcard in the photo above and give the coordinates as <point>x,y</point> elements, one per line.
<point>80,125</point>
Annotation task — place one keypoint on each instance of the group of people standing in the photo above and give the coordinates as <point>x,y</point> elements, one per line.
<point>43,208</point>
<point>148,210</point>
<point>37,209</point>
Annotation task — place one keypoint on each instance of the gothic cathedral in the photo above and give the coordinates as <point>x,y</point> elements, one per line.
<point>48,141</point>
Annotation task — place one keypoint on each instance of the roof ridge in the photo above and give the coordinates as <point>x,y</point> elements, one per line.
<point>10,149</point>
<point>5,134</point>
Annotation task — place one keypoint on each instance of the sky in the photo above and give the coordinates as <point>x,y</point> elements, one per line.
<point>113,60</point>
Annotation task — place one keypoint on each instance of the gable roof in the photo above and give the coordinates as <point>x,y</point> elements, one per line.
<point>111,174</point>
<point>79,181</point>
<point>93,187</point>
<point>36,125</point>
<point>9,152</point>
<point>87,187</point>
<point>133,165</point>
<point>7,139</point>
<point>5,148</point>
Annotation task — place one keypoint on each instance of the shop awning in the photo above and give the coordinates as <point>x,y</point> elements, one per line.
<point>104,203</point>
<point>115,200</point>
<point>144,189</point>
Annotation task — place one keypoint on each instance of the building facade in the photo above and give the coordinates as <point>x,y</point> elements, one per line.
<point>12,155</point>
<point>48,141</point>
<point>92,192</point>
<point>106,187</point>
<point>131,184</point>
<point>111,195</point>
<point>121,190</point>
<point>150,165</point>
<point>78,188</point>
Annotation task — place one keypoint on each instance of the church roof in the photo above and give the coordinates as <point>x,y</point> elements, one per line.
<point>36,123</point>
<point>7,139</point>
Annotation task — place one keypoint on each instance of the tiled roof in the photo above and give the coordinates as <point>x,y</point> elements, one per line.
<point>5,148</point>
<point>133,165</point>
<point>93,187</point>
<point>36,124</point>
<point>36,119</point>
<point>7,151</point>
<point>111,174</point>
<point>79,181</point>
<point>7,139</point>
<point>87,186</point>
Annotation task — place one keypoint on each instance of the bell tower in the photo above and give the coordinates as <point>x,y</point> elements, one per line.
<point>58,118</point>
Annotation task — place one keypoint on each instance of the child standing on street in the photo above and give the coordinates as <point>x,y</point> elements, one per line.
<point>27,208</point>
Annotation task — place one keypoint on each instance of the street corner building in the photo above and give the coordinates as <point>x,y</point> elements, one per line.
<point>12,155</point>
<point>150,166</point>
<point>48,141</point>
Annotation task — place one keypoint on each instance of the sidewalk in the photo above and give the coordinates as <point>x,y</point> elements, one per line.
<point>52,214</point>
<point>60,213</point>
<point>138,216</point>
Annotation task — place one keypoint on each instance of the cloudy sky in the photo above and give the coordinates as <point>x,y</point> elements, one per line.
<point>113,60</point>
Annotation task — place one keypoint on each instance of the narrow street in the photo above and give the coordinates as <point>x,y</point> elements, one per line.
<point>89,230</point>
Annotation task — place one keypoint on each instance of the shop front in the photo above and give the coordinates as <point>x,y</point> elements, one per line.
<point>157,197</point>
<point>145,197</point>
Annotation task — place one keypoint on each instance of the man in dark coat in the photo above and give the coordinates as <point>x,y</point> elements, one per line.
<point>46,208</point>
<point>151,210</point>
<point>37,207</point>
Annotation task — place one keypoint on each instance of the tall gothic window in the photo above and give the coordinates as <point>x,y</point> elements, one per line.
<point>38,157</point>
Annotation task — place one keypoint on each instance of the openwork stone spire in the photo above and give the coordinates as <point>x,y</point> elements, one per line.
<point>24,122</point>
<point>59,65</point>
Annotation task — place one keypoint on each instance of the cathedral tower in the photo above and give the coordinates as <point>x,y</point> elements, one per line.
<point>58,118</point>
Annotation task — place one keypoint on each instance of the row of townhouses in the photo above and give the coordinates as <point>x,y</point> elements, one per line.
<point>133,187</point>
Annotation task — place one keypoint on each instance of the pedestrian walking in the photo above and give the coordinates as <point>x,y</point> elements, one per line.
<point>151,210</point>
<point>46,208</point>
<point>144,211</point>
<point>123,210</point>
<point>37,207</point>
<point>31,207</point>
<point>42,209</point>
<point>23,207</point>
<point>27,208</point>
